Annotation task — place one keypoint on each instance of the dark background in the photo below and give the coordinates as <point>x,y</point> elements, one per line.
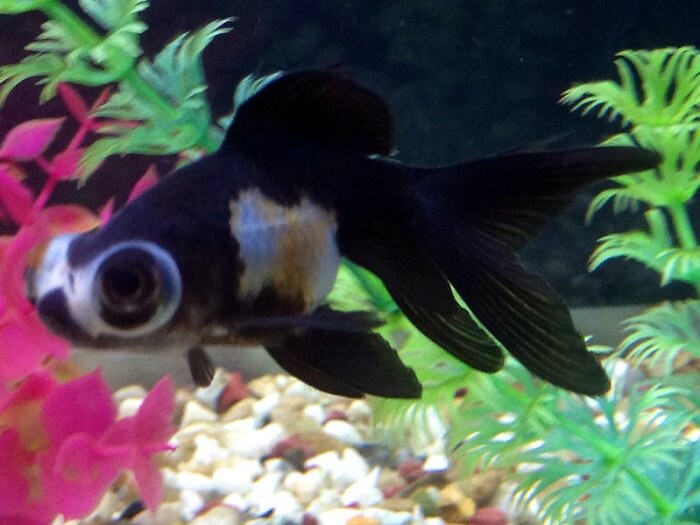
<point>464,78</point>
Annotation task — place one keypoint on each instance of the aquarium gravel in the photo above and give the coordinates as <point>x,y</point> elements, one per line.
<point>276,451</point>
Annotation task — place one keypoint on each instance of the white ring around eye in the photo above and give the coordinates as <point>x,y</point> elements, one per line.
<point>82,292</point>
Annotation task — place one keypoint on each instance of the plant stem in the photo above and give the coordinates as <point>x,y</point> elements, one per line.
<point>612,453</point>
<point>89,38</point>
<point>57,11</point>
<point>683,226</point>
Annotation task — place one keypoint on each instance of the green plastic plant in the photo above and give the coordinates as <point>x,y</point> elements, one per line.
<point>158,108</point>
<point>618,459</point>
<point>634,456</point>
<point>658,103</point>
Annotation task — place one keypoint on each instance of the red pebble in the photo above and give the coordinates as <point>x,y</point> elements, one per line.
<point>391,492</point>
<point>411,469</point>
<point>488,516</point>
<point>293,447</point>
<point>309,519</point>
<point>234,391</point>
<point>335,414</point>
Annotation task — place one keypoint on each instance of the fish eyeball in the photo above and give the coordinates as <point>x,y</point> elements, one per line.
<point>137,287</point>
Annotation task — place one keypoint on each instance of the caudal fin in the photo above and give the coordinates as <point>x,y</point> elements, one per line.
<point>473,217</point>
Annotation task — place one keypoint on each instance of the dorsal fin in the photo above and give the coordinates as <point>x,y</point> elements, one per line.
<point>317,107</point>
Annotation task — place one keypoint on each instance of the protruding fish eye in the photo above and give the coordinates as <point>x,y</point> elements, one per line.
<point>136,288</point>
<point>129,286</point>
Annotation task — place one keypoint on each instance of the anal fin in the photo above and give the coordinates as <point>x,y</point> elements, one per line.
<point>424,295</point>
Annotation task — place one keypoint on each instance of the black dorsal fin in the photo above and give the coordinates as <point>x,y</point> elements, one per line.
<point>318,107</point>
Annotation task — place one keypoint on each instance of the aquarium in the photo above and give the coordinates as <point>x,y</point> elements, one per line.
<point>397,263</point>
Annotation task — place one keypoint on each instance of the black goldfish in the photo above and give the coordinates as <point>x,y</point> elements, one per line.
<point>243,246</point>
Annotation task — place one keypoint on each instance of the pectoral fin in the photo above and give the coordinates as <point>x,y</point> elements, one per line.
<point>201,368</point>
<point>346,363</point>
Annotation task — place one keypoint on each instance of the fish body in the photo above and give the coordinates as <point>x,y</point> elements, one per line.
<point>243,246</point>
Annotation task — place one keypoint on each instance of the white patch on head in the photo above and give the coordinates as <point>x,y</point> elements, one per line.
<point>79,285</point>
<point>291,248</point>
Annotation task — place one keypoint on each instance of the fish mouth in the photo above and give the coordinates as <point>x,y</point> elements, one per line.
<point>54,312</point>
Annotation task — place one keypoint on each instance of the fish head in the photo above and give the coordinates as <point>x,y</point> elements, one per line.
<point>126,293</point>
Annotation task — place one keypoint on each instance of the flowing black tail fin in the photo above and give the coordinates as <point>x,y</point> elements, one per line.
<point>472,218</point>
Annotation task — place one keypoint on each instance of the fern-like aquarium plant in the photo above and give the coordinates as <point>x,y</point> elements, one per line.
<point>632,457</point>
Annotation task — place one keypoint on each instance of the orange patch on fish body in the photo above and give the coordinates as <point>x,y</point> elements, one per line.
<point>291,249</point>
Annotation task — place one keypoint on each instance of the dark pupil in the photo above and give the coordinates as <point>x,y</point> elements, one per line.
<point>126,284</point>
<point>129,289</point>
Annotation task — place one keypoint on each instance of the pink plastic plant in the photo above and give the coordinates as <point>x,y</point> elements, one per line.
<point>60,444</point>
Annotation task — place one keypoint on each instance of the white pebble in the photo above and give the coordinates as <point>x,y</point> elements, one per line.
<point>364,492</point>
<point>287,508</point>
<point>194,482</point>
<point>190,504</point>
<point>209,395</point>
<point>219,515</point>
<point>273,465</point>
<point>235,500</point>
<point>305,486</point>
<point>281,381</point>
<point>358,409</point>
<point>207,451</point>
<point>125,392</point>
<point>129,407</point>
<point>195,412</point>
<point>238,478</point>
<point>436,463</point>
<point>328,499</point>
<point>263,407</point>
<point>327,461</point>
<point>252,444</point>
<point>315,412</point>
<point>343,431</point>
<point>240,425</point>
<point>337,516</point>
<point>354,465</point>
<point>297,388</point>
<point>262,492</point>
<point>388,517</point>
<point>342,471</point>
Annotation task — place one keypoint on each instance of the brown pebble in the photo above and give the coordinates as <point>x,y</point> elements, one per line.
<point>363,520</point>
<point>309,519</point>
<point>397,504</point>
<point>335,414</point>
<point>454,505</point>
<point>390,480</point>
<point>489,516</point>
<point>428,498</point>
<point>290,414</point>
<point>294,450</point>
<point>411,469</point>
<point>262,386</point>
<point>322,442</point>
<point>484,485</point>
<point>241,410</point>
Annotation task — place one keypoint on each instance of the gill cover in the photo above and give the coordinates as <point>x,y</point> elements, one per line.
<point>129,290</point>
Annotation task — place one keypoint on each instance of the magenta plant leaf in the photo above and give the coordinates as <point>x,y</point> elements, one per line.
<point>147,180</point>
<point>144,435</point>
<point>66,164</point>
<point>14,460</point>
<point>78,474</point>
<point>29,140</point>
